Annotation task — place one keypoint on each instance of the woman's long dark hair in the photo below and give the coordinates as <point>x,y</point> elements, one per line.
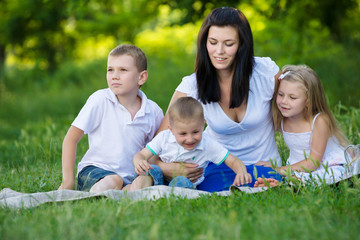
<point>207,81</point>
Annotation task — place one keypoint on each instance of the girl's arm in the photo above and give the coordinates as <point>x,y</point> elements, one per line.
<point>69,146</point>
<point>171,170</point>
<point>321,134</point>
<point>242,176</point>
<point>140,161</point>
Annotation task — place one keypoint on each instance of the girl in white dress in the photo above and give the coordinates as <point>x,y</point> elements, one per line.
<point>310,131</point>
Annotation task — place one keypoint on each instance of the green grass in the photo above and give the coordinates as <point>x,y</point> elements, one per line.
<point>322,213</point>
<point>34,120</point>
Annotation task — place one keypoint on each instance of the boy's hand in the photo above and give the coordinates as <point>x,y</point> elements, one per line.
<point>242,178</point>
<point>141,166</point>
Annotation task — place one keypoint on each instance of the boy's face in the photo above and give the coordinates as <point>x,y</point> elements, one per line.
<point>188,134</point>
<point>123,77</point>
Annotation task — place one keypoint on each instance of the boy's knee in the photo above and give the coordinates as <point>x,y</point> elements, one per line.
<point>107,183</point>
<point>181,181</point>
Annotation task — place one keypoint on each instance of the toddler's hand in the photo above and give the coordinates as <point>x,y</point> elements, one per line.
<point>142,166</point>
<point>242,178</point>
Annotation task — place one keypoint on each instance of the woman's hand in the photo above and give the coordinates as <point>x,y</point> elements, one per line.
<point>189,170</point>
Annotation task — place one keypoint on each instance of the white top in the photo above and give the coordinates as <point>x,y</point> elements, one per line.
<point>300,144</point>
<point>252,139</point>
<point>113,137</point>
<point>208,150</point>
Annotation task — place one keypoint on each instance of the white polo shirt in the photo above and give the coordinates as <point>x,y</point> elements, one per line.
<point>208,150</point>
<point>114,138</point>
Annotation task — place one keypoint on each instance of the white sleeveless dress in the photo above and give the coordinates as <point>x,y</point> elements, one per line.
<point>332,166</point>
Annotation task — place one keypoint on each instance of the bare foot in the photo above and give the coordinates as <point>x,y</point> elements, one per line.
<point>266,182</point>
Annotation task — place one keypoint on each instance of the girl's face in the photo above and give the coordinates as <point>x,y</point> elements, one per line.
<point>222,45</point>
<point>291,99</point>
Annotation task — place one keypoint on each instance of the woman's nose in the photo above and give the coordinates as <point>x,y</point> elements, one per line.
<point>220,48</point>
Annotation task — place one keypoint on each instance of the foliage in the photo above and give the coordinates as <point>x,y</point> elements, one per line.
<point>47,31</point>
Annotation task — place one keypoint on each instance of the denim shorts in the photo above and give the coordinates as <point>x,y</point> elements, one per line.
<point>179,181</point>
<point>90,175</point>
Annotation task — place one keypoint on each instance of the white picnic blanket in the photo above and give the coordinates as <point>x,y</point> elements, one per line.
<point>16,200</point>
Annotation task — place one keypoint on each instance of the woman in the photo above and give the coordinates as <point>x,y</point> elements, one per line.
<point>235,89</point>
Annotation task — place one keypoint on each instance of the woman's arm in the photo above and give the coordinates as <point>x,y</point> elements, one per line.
<point>321,134</point>
<point>171,170</point>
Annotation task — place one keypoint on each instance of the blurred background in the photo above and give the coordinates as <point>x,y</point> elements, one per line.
<point>53,53</point>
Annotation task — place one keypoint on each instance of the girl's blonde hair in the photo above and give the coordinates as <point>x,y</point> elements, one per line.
<point>316,100</point>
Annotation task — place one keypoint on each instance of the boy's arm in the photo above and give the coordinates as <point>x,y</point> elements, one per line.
<point>69,146</point>
<point>140,161</point>
<point>242,176</point>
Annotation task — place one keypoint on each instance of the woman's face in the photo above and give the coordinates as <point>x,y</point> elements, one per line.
<point>222,45</point>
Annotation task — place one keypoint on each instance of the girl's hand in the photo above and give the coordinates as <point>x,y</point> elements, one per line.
<point>141,166</point>
<point>242,178</point>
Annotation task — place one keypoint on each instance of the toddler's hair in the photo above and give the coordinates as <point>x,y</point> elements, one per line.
<point>185,108</point>
<point>316,99</point>
<point>136,53</point>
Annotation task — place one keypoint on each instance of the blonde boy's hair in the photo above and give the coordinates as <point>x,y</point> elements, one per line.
<point>185,108</point>
<point>316,100</point>
<point>136,53</point>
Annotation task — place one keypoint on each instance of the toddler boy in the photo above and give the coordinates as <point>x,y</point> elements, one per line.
<point>184,141</point>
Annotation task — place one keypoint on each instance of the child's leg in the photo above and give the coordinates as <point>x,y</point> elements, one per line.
<point>91,175</point>
<point>154,177</point>
<point>181,181</point>
<point>107,183</point>
<point>139,183</point>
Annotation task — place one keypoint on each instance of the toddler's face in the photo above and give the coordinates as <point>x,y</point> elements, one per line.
<point>188,134</point>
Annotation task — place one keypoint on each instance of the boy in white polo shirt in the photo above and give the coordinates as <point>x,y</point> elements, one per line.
<point>119,121</point>
<point>184,141</point>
